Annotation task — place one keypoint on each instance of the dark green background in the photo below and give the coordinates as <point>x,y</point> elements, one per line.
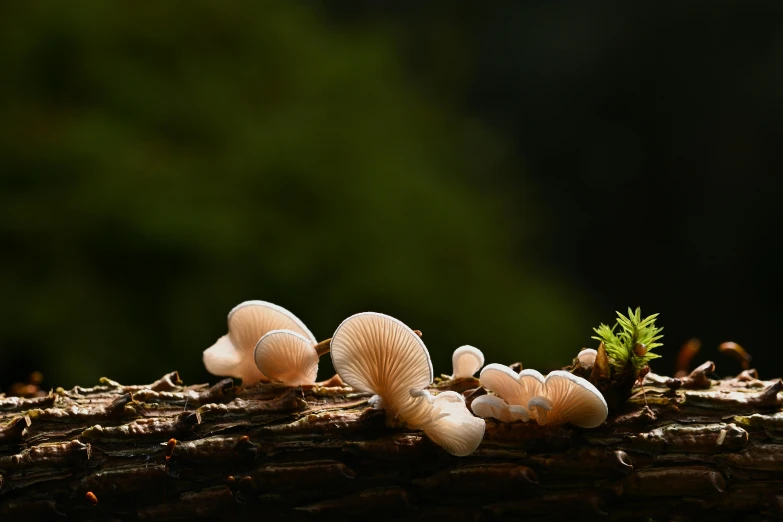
<point>505,176</point>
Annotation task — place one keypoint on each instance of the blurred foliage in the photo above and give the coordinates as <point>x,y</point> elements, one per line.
<point>652,131</point>
<point>161,165</point>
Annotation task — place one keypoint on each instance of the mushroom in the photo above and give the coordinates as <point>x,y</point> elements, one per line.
<point>492,406</point>
<point>558,398</point>
<point>515,388</point>
<point>586,358</point>
<point>572,399</point>
<point>379,354</point>
<point>232,354</point>
<point>454,428</point>
<point>288,357</point>
<point>466,361</point>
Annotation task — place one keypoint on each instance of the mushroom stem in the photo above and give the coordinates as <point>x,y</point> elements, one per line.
<point>518,413</point>
<point>493,406</point>
<point>540,405</point>
<point>422,393</point>
<point>323,347</point>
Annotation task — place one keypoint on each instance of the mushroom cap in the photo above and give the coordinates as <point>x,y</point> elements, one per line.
<point>376,353</point>
<point>574,400</point>
<point>559,398</point>
<point>231,355</point>
<point>514,388</point>
<point>586,357</point>
<point>288,357</point>
<point>249,321</point>
<point>466,361</point>
<point>539,408</point>
<point>455,429</point>
<point>222,358</point>
<point>492,406</point>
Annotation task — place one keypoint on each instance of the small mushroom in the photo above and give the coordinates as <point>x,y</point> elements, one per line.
<point>586,358</point>
<point>232,354</point>
<point>492,406</point>
<point>288,357</point>
<point>466,361</point>
<point>379,354</point>
<point>573,400</point>
<point>454,428</point>
<point>558,398</point>
<point>514,388</point>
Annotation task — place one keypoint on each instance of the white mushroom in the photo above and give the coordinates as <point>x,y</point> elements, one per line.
<point>514,388</point>
<point>454,429</point>
<point>288,357</point>
<point>586,358</point>
<point>466,361</point>
<point>492,406</point>
<point>574,400</point>
<point>559,398</point>
<point>232,354</point>
<point>378,354</point>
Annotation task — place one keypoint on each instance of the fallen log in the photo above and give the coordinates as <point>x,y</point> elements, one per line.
<point>680,449</point>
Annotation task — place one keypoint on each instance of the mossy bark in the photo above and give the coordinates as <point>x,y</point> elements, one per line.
<point>275,453</point>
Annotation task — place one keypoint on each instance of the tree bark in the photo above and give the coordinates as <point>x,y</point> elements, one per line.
<point>170,452</point>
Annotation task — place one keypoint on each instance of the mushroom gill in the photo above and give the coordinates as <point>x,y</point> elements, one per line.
<point>287,357</point>
<point>379,354</point>
<point>558,398</point>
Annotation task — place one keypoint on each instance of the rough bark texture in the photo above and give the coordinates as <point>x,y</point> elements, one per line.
<point>270,452</point>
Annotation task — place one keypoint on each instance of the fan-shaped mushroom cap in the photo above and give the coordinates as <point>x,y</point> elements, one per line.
<point>376,353</point>
<point>466,361</point>
<point>492,406</point>
<point>455,429</point>
<point>586,357</point>
<point>574,400</point>
<point>288,357</point>
<point>514,388</point>
<point>232,354</point>
<point>559,398</point>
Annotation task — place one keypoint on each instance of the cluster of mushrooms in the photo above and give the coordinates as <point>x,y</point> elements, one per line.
<point>378,354</point>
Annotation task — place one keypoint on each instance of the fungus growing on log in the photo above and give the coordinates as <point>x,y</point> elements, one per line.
<point>378,354</point>
<point>586,358</point>
<point>232,354</point>
<point>492,406</point>
<point>466,361</point>
<point>287,357</point>
<point>558,398</point>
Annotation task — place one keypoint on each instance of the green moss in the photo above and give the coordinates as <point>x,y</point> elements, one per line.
<point>634,341</point>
